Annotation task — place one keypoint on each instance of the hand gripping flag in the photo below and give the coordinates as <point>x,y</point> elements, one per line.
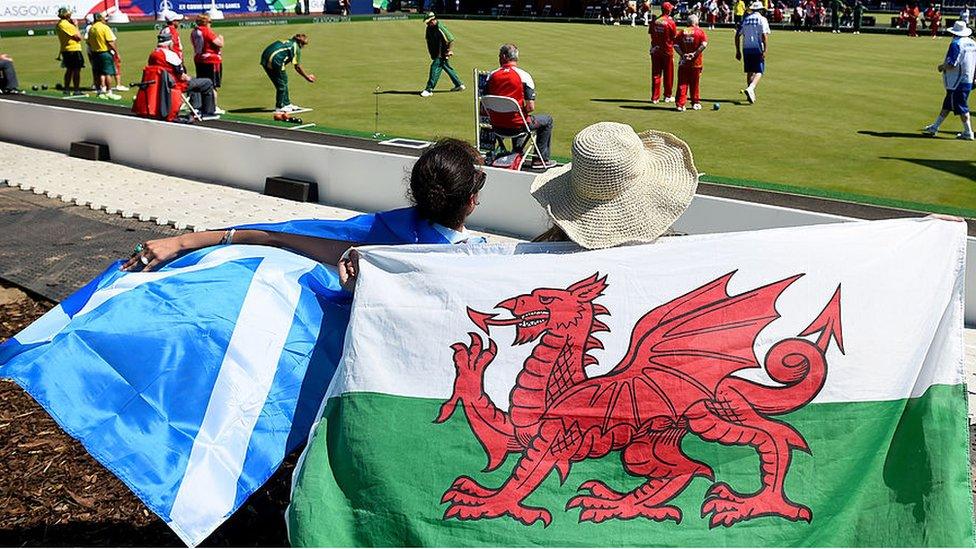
<point>192,383</point>
<point>790,387</point>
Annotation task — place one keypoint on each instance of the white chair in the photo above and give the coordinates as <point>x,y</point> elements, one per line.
<point>500,104</point>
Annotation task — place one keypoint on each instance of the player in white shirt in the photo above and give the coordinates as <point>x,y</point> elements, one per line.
<point>958,72</point>
<point>750,47</point>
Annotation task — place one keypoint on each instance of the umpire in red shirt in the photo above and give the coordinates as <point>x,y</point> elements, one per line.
<point>510,81</point>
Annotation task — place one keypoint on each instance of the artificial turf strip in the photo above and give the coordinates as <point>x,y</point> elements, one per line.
<point>837,114</point>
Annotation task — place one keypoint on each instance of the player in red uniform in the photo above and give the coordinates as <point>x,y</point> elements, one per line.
<point>935,17</point>
<point>913,20</point>
<point>690,42</point>
<point>663,32</point>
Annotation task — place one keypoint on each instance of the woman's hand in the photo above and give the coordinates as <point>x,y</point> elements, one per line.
<point>945,217</point>
<point>349,270</point>
<point>153,253</point>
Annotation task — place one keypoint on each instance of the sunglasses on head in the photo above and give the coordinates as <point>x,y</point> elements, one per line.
<point>479,182</point>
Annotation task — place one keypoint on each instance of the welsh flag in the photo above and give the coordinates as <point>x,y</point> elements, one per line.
<point>790,387</point>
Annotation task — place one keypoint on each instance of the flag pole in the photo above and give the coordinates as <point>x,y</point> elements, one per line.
<point>213,12</point>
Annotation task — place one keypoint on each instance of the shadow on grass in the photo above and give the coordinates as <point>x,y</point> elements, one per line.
<point>961,168</point>
<point>604,100</point>
<point>647,105</point>
<point>250,110</point>
<point>903,135</point>
<point>406,92</point>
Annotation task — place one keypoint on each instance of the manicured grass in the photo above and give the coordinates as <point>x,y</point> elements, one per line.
<point>836,113</point>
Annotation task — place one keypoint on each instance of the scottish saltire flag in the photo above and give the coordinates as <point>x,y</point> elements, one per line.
<point>192,383</point>
<point>790,387</point>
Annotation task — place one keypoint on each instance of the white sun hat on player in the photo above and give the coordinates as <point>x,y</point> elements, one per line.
<point>960,29</point>
<point>757,5</point>
<point>621,188</point>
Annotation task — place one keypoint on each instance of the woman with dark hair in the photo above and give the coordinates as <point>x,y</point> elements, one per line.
<point>444,186</point>
<point>193,382</point>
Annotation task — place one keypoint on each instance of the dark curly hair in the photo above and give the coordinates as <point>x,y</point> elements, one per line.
<point>443,181</point>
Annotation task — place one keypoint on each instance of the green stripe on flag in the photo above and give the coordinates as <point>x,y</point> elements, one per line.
<point>893,473</point>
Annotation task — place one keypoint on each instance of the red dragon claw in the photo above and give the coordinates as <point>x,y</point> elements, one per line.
<point>728,507</point>
<point>599,489</point>
<point>599,510</point>
<point>447,410</point>
<point>469,486</point>
<point>475,343</point>
<point>724,491</point>
<point>462,498</point>
<point>495,507</point>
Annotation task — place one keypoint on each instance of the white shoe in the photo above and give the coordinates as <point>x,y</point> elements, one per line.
<point>669,100</point>
<point>655,101</point>
<point>966,136</point>
<point>426,93</point>
<point>121,88</point>
<point>680,109</point>
<point>750,95</point>
<point>289,108</point>
<point>696,107</point>
<point>930,130</point>
<point>218,111</point>
<point>458,88</point>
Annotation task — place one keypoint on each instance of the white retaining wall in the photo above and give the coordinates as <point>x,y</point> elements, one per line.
<point>347,178</point>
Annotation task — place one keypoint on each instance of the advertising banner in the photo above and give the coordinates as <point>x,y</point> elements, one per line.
<point>47,10</point>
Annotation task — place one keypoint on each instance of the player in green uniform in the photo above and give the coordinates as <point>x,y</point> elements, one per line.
<point>439,42</point>
<point>275,58</point>
<point>858,16</point>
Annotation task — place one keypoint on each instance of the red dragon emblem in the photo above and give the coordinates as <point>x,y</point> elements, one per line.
<point>675,379</point>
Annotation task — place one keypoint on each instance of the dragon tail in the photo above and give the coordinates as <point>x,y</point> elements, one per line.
<point>798,364</point>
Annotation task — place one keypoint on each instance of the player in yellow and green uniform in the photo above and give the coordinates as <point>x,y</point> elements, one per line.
<point>101,43</point>
<point>275,58</point>
<point>70,55</point>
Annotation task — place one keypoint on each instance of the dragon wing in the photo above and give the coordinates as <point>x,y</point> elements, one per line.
<point>679,352</point>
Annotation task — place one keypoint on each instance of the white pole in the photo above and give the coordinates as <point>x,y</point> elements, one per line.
<point>213,12</point>
<point>118,16</point>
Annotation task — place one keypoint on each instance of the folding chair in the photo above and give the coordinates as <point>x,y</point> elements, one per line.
<point>524,145</point>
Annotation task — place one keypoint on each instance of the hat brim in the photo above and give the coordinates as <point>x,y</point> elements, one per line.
<point>641,214</point>
<point>963,33</point>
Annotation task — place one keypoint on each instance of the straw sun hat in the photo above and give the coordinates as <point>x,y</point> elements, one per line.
<point>622,187</point>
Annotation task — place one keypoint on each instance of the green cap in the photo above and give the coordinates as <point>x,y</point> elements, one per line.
<point>429,17</point>
<point>64,11</point>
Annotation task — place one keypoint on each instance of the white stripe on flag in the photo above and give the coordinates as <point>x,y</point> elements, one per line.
<point>52,323</point>
<point>44,328</point>
<point>209,487</point>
